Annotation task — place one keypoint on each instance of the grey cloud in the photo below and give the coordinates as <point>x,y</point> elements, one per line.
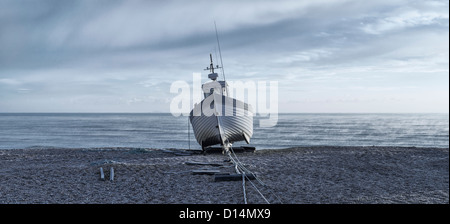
<point>122,49</point>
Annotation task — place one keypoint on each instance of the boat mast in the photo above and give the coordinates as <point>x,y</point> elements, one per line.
<point>213,76</point>
<point>211,66</point>
<point>220,53</point>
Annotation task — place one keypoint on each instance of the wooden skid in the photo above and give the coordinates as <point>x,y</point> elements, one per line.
<point>235,149</point>
<point>232,177</point>
<point>191,163</point>
<point>207,172</point>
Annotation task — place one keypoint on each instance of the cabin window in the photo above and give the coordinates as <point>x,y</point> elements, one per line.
<point>211,91</point>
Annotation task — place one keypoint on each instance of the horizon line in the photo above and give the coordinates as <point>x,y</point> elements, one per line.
<point>255,115</point>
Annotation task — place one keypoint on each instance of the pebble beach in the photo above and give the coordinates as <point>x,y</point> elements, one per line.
<point>301,175</point>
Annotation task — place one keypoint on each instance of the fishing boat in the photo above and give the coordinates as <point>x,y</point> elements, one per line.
<point>219,118</point>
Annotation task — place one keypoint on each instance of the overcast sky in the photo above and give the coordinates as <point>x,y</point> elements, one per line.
<point>122,56</point>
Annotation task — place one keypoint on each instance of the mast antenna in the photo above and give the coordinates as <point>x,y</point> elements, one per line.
<point>220,53</point>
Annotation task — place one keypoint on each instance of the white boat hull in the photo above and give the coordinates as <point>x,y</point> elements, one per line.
<point>231,123</point>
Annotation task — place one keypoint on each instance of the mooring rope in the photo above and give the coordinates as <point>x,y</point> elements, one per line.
<point>243,187</point>
<point>189,134</point>
<point>244,170</point>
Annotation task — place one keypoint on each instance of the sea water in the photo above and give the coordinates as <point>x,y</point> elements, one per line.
<point>140,130</point>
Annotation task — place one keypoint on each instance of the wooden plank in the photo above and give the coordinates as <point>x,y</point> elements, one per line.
<point>111,174</point>
<point>102,175</point>
<point>215,149</point>
<point>202,163</point>
<point>177,152</point>
<point>232,177</point>
<point>207,172</point>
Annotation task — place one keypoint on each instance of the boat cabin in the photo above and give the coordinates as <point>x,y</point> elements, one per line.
<point>219,87</point>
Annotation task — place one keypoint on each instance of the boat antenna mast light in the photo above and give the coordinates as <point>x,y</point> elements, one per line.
<point>213,76</point>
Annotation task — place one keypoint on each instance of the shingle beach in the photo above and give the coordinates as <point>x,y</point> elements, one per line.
<point>302,175</point>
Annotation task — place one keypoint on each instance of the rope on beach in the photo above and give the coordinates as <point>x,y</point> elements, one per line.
<point>244,170</point>
<point>240,165</point>
<point>259,180</point>
<point>243,187</point>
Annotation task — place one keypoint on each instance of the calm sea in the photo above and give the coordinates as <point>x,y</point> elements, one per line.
<point>81,130</point>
